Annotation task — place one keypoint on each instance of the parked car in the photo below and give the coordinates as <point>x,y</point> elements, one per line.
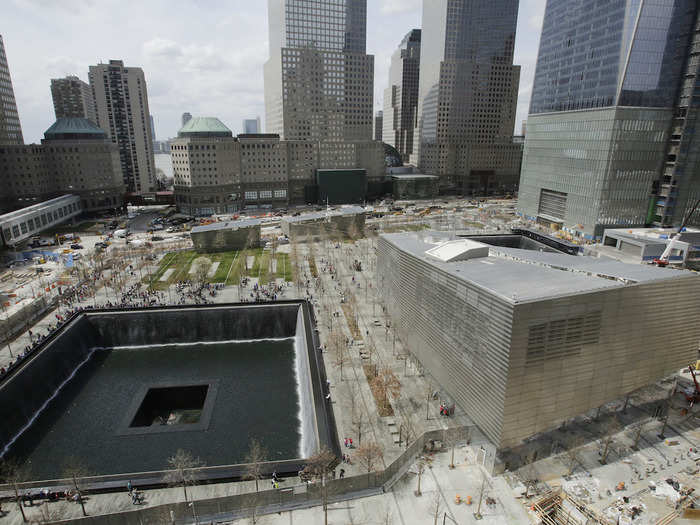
<point>157,238</point>
<point>76,246</point>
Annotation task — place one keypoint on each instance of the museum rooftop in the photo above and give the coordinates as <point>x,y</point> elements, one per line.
<point>519,275</point>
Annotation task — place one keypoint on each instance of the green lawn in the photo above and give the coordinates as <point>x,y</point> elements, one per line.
<point>225,260</point>
<point>284,266</point>
<point>178,261</point>
<point>230,270</point>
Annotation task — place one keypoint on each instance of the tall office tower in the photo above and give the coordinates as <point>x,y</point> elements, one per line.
<point>378,125</point>
<point>10,128</point>
<point>319,79</point>
<point>121,101</point>
<point>467,95</point>
<point>186,117</point>
<point>72,98</point>
<point>153,128</point>
<point>401,97</point>
<point>611,136</point>
<point>251,126</point>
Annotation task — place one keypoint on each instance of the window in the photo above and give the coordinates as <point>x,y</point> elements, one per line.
<point>251,195</point>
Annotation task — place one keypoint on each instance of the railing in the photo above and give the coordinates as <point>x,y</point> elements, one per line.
<point>271,500</point>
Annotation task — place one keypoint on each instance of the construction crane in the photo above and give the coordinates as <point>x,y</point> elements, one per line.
<point>692,397</point>
<point>664,259</point>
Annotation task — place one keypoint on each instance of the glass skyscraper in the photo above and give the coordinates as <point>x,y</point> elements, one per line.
<point>611,132</point>
<point>467,95</point>
<point>10,128</point>
<point>401,97</point>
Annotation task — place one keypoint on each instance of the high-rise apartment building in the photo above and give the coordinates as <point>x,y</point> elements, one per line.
<point>252,126</point>
<point>186,117</point>
<point>121,101</point>
<point>10,128</point>
<point>319,79</point>
<point>467,96</point>
<point>378,125</point>
<point>401,97</point>
<point>611,138</point>
<point>72,98</point>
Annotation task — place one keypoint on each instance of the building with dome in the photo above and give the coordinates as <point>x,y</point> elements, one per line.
<point>75,157</point>
<point>215,172</point>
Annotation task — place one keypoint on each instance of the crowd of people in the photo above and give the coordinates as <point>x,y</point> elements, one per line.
<point>261,293</point>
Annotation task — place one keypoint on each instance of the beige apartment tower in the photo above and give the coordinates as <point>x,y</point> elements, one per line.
<point>121,103</point>
<point>10,128</point>
<point>72,98</point>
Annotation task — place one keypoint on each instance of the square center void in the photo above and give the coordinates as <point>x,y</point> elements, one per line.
<point>175,405</point>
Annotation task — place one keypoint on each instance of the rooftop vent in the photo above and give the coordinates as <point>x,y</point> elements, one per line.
<point>458,250</point>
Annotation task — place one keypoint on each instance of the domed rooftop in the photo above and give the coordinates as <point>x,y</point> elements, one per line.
<point>204,127</point>
<point>74,128</point>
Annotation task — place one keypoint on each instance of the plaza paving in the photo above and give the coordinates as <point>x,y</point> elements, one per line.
<point>416,409</point>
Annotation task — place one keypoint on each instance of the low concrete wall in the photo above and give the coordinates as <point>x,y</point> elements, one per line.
<point>184,325</point>
<point>20,320</point>
<point>24,392</point>
<point>224,239</point>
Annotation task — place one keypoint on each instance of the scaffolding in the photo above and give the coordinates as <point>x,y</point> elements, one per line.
<point>556,507</point>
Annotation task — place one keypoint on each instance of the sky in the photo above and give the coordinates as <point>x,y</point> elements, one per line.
<point>201,56</point>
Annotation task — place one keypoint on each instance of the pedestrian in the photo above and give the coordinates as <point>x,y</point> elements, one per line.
<point>342,473</point>
<point>350,444</point>
<point>346,446</point>
<point>129,486</point>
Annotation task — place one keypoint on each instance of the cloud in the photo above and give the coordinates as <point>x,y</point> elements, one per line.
<point>161,48</point>
<point>391,7</point>
<point>202,56</point>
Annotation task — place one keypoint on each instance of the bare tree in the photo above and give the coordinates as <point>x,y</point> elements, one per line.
<point>612,427</point>
<point>336,343</point>
<point>406,430</point>
<point>13,473</point>
<point>528,477</point>
<point>436,506</point>
<point>201,273</point>
<point>319,466</point>
<point>386,383</point>
<point>420,468</point>
<point>451,437</point>
<point>357,426</point>
<point>256,456</point>
<point>353,388</point>
<point>183,465</point>
<point>368,455</point>
<point>75,470</point>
